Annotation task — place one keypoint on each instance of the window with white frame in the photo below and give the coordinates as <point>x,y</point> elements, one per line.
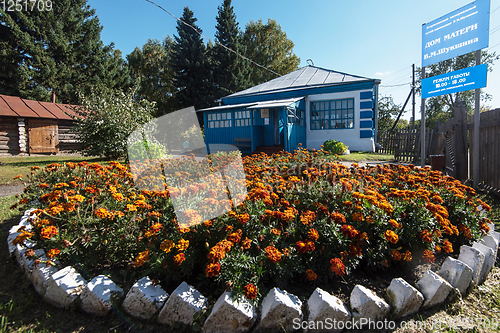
<point>333,114</point>
<point>219,119</point>
<point>242,118</point>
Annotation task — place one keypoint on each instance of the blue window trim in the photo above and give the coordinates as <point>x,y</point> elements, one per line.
<point>330,111</point>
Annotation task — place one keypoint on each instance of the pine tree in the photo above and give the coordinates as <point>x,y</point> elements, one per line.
<point>230,71</point>
<point>190,66</point>
<point>57,50</point>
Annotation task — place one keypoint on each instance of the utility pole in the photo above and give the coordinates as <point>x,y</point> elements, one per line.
<point>413,99</point>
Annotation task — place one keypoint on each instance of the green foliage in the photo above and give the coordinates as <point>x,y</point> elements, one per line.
<point>190,66</point>
<point>268,45</point>
<point>388,112</point>
<point>334,147</point>
<point>58,50</point>
<point>149,67</point>
<point>142,150</point>
<point>108,117</point>
<point>230,71</point>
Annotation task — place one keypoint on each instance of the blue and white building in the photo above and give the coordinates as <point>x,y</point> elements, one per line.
<point>308,106</point>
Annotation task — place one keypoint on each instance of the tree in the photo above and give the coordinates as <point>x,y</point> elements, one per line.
<point>269,46</point>
<point>440,108</point>
<point>230,71</point>
<point>150,68</point>
<point>388,112</point>
<point>57,51</point>
<point>108,117</point>
<point>190,66</point>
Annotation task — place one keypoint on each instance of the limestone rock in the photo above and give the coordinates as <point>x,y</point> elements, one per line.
<point>144,299</point>
<point>230,315</point>
<point>96,296</point>
<point>403,298</point>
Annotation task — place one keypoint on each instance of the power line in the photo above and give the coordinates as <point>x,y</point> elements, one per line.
<point>396,85</point>
<point>214,41</point>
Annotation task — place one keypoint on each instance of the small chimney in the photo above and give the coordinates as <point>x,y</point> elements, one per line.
<point>53,96</point>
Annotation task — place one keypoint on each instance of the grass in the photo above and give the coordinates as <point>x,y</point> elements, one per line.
<point>366,156</point>
<point>11,167</point>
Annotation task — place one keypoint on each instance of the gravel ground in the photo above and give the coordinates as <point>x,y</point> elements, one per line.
<point>8,190</point>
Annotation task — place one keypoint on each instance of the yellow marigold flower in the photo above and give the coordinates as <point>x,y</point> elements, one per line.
<point>166,245</point>
<point>102,213</point>
<point>182,244</point>
<point>391,236</point>
<point>179,259</point>
<point>141,258</point>
<point>313,234</point>
<point>310,275</point>
<point>131,208</point>
<point>52,253</point>
<point>48,232</point>
<point>394,223</point>
<point>117,196</point>
<point>22,237</point>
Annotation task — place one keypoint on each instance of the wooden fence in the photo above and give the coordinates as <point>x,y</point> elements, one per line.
<point>454,139</point>
<point>489,149</point>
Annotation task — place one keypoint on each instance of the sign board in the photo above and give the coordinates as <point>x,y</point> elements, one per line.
<point>464,79</point>
<point>264,113</point>
<point>462,31</point>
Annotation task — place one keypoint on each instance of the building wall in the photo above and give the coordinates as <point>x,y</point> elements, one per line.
<point>359,138</point>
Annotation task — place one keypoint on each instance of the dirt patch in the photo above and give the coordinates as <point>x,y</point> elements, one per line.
<point>8,190</point>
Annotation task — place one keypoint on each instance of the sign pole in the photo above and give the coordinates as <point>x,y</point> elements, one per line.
<point>422,126</point>
<point>477,119</point>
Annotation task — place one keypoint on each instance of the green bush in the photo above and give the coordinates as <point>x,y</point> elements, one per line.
<point>142,150</point>
<point>334,147</point>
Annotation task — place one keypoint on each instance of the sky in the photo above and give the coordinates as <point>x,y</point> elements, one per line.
<point>376,39</point>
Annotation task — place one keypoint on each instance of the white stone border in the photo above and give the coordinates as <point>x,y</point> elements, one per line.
<point>65,287</point>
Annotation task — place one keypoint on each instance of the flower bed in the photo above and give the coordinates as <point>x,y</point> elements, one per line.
<point>305,218</point>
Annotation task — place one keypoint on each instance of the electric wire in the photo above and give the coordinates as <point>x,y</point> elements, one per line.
<point>214,41</point>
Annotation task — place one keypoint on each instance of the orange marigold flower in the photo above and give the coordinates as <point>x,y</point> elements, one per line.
<point>310,275</point>
<point>243,218</point>
<point>52,253</point>
<point>18,177</point>
<point>141,258</point>
<point>396,255</point>
<point>447,247</point>
<point>391,236</point>
<point>166,245</point>
<point>407,256</point>
<point>394,223</point>
<point>307,217</point>
<point>48,232</point>
<point>349,231</point>
<point>22,237</point>
<point>313,234</point>
<point>234,237</point>
<point>250,291</point>
<point>182,245</point>
<point>357,217</point>
<point>426,236</point>
<point>338,218</point>
<point>212,270</point>
<point>273,254</point>
<point>179,259</point>
<point>338,266</point>
<point>310,245</point>
<point>428,256</point>
<point>246,243</point>
<point>465,230</point>
<point>101,213</point>
<point>386,206</point>
<point>355,250</point>
<point>54,210</point>
<point>117,196</point>
<point>301,247</point>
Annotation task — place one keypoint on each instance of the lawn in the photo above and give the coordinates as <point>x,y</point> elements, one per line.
<point>17,296</point>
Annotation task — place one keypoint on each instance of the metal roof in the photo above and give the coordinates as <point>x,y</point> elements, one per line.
<point>305,77</point>
<point>255,105</point>
<point>13,106</point>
